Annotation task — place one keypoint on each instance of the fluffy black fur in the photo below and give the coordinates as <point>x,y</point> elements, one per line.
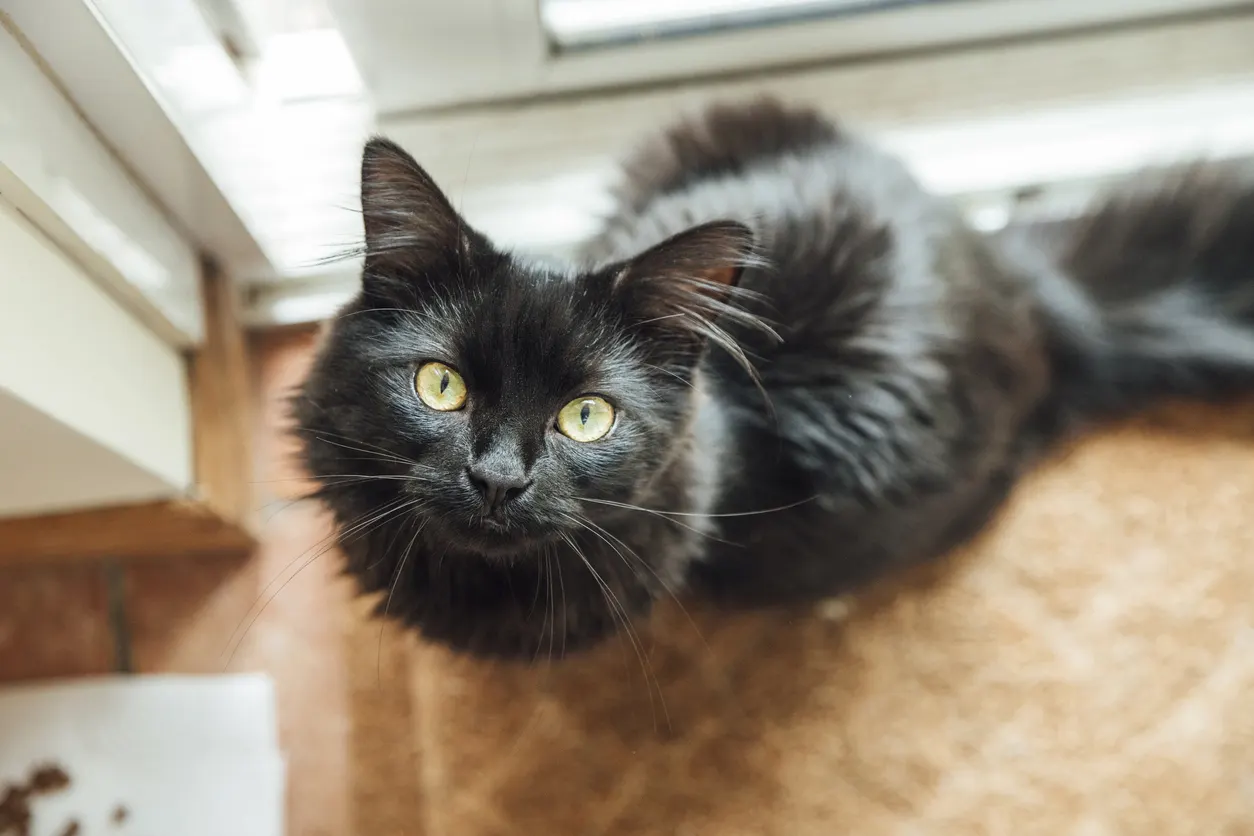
<point>821,373</point>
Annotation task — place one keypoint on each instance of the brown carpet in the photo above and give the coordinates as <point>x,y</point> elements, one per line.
<point>1086,668</point>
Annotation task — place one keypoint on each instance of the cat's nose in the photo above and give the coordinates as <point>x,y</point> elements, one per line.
<point>497,487</point>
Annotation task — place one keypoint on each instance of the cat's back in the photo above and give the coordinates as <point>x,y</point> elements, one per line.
<point>792,176</point>
<point>892,409</point>
<point>861,257</point>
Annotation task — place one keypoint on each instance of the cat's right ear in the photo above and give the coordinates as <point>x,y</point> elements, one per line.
<point>683,293</point>
<point>411,227</point>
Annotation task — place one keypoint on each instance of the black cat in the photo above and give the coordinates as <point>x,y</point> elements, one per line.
<point>783,370</point>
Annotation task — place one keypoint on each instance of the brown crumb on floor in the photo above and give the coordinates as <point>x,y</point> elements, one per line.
<point>48,778</point>
<point>120,814</point>
<point>15,812</point>
<point>72,828</point>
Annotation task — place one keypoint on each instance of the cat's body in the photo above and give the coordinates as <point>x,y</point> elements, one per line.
<point>912,370</point>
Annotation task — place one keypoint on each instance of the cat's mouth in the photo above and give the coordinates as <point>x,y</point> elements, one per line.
<point>498,538</point>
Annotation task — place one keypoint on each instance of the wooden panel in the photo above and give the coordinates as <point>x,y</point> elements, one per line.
<point>158,529</point>
<point>54,622</point>
<point>222,406</point>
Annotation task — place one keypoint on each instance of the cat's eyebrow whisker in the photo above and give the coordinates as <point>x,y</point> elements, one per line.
<point>644,322</point>
<point>687,383</point>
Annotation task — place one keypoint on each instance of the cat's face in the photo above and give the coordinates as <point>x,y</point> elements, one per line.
<point>506,402</point>
<point>498,403</point>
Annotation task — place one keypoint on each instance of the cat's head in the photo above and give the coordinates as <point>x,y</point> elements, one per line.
<point>494,402</point>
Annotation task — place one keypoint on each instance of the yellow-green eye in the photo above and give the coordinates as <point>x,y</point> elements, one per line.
<point>586,419</point>
<point>440,387</point>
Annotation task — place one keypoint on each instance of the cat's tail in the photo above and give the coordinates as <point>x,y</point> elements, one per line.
<point>1156,295</point>
<point>722,139</point>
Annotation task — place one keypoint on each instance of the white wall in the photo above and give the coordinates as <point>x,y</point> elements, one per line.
<point>54,167</point>
<point>94,408</point>
<point>46,467</point>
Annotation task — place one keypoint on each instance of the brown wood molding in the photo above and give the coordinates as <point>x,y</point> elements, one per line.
<point>222,408</point>
<point>217,517</point>
<point>157,530</point>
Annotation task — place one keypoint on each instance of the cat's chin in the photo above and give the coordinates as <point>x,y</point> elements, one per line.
<point>498,543</point>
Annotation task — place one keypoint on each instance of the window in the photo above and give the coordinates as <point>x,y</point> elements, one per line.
<point>579,24</point>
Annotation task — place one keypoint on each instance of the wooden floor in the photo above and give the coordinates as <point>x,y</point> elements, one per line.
<point>1087,667</point>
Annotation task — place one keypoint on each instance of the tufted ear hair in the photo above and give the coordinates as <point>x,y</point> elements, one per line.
<point>410,225</point>
<point>682,292</point>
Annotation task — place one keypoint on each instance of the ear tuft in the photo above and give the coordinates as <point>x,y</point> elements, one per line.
<point>685,291</point>
<point>713,254</point>
<point>409,223</point>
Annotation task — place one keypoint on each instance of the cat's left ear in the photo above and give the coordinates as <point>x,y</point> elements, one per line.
<point>410,225</point>
<point>679,291</point>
